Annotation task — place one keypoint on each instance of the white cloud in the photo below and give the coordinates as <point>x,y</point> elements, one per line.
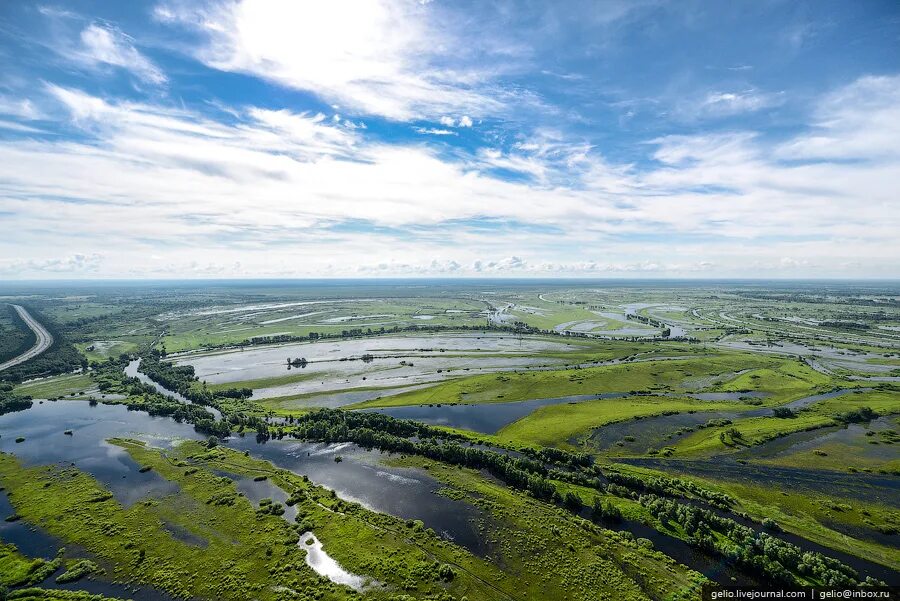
<point>465,121</point>
<point>76,264</point>
<point>15,126</point>
<point>434,131</point>
<point>21,108</point>
<point>858,121</point>
<point>725,104</point>
<point>448,121</point>
<point>105,44</point>
<point>377,57</point>
<point>289,193</point>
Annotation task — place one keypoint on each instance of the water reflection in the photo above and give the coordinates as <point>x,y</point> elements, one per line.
<point>325,565</point>
<point>360,476</point>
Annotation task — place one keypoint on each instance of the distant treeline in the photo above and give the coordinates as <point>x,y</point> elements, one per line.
<point>517,328</point>
<point>833,297</point>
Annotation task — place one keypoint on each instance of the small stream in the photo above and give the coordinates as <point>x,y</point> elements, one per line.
<point>131,370</point>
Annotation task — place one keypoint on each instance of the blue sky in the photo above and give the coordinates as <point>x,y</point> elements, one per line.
<point>255,138</point>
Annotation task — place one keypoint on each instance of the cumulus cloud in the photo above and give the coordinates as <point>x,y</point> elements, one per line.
<point>272,188</point>
<point>377,57</point>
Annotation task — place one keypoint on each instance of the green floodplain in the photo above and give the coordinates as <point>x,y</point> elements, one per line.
<point>443,440</point>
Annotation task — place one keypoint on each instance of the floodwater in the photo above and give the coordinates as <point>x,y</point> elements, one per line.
<point>659,431</point>
<point>361,477</point>
<point>851,435</point>
<point>43,428</point>
<point>334,400</point>
<point>861,486</point>
<point>131,370</point>
<point>650,432</point>
<point>403,492</point>
<point>486,418</point>
<point>397,361</point>
<point>35,542</point>
<point>809,400</point>
<point>823,357</point>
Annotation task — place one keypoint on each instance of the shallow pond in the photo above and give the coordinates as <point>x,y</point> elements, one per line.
<point>659,431</point>
<point>851,435</point>
<point>650,432</point>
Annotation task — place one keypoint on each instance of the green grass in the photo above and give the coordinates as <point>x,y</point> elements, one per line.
<point>804,514</point>
<point>197,331</point>
<point>555,555</point>
<point>756,430</point>
<point>101,350</point>
<point>561,425</point>
<point>245,553</point>
<point>753,431</point>
<point>291,377</point>
<point>57,386</point>
<point>649,376</point>
<point>18,570</point>
<point>884,361</point>
<point>785,378</point>
<point>554,315</point>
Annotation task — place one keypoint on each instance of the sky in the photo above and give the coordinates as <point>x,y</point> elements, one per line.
<point>395,138</point>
